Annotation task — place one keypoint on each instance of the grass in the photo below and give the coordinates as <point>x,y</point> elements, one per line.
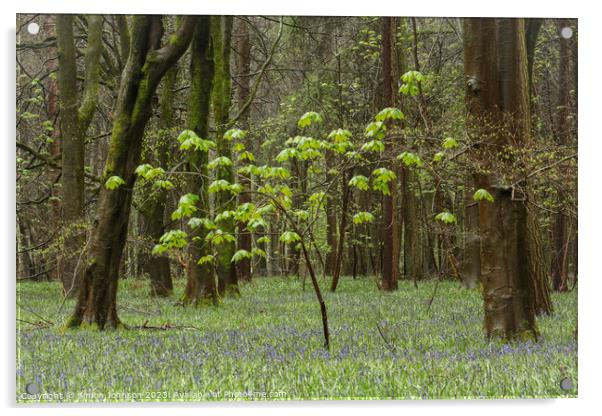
<point>268,344</point>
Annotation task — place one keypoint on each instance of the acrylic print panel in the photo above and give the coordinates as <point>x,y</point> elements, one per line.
<point>218,208</point>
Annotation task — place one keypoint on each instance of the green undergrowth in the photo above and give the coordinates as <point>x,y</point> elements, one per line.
<point>268,344</point>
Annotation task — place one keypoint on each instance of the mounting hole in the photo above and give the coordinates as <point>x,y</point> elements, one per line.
<point>566,32</point>
<point>32,388</point>
<point>566,384</point>
<point>33,28</point>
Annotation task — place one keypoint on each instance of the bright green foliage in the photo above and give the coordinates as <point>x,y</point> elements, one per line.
<point>438,156</point>
<point>310,154</point>
<point>287,154</point>
<point>173,239</point>
<point>289,237</point>
<point>209,258</point>
<point>195,222</point>
<point>410,83</point>
<point>217,237</point>
<point>360,182</point>
<point>163,184</point>
<point>255,224</point>
<point>248,156</point>
<point>309,118</point>
<point>114,182</point>
<point>389,113</point>
<point>225,215</point>
<point>482,194</point>
<point>317,199</point>
<point>382,177</point>
<point>339,135</point>
<point>186,206</point>
<point>375,130</point>
<point>446,217</point>
<point>223,185</point>
<point>149,173</point>
<point>301,214</point>
<point>241,255</point>
<point>449,143</point>
<point>363,217</point>
<point>259,252</point>
<point>410,159</point>
<point>235,134</point>
<point>244,212</point>
<point>220,161</point>
<point>190,140</point>
<point>373,146</point>
<point>264,239</point>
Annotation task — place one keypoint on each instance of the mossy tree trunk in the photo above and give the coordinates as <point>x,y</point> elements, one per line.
<point>201,280</point>
<point>146,65</point>
<point>74,122</point>
<point>221,34</point>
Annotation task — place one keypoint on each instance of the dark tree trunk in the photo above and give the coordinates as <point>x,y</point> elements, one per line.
<point>221,33</point>
<point>390,239</point>
<point>157,266</point>
<point>201,283</point>
<point>560,237</point>
<point>342,227</point>
<point>243,69</point>
<point>145,67</point>
<point>498,102</point>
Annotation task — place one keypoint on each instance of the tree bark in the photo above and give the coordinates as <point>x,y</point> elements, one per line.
<point>391,242</point>
<point>74,124</point>
<point>497,97</point>
<point>559,234</point>
<point>243,69</point>
<point>157,266</point>
<point>144,69</point>
<point>221,34</point>
<point>201,283</point>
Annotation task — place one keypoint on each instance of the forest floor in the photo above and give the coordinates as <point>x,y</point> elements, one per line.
<point>268,344</point>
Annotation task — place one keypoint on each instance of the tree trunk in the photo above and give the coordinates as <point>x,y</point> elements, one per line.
<point>343,225</point>
<point>498,102</point>
<point>145,67</point>
<point>391,241</point>
<point>243,69</point>
<point>560,238</point>
<point>221,33</point>
<point>73,126</point>
<point>413,253</point>
<point>201,283</point>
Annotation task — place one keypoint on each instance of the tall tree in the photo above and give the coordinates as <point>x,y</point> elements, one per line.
<point>497,96</point>
<point>201,280</point>
<point>390,239</point>
<point>146,65</point>
<point>243,69</point>
<point>153,207</point>
<point>75,121</point>
<point>560,249</point>
<point>221,33</point>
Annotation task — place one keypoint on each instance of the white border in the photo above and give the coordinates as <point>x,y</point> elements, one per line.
<point>590,154</point>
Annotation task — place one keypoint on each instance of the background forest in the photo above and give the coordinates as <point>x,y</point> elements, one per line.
<point>304,207</point>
